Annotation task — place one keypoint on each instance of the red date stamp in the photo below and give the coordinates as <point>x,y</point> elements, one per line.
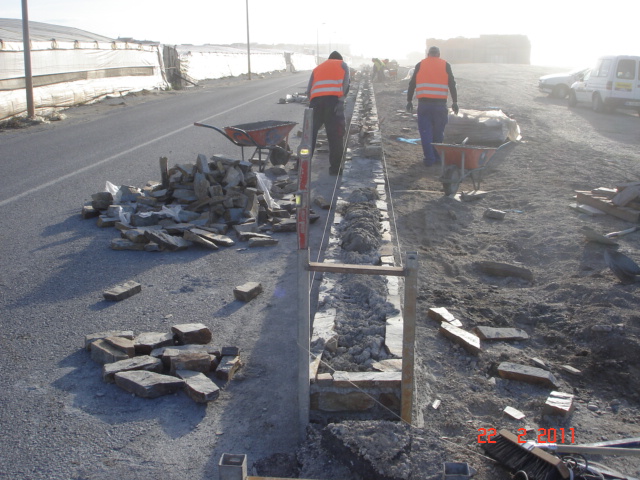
<point>544,435</point>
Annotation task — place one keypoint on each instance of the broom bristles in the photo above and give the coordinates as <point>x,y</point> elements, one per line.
<point>536,463</point>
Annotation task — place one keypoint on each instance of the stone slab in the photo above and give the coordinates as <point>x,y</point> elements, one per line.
<point>197,362</point>
<point>394,329</point>
<point>89,339</point>
<point>102,352</point>
<point>367,379</point>
<point>125,345</point>
<point>146,342</point>
<point>514,413</point>
<point>148,384</point>
<point>142,362</point>
<point>525,373</point>
<point>198,386</point>
<point>441,314</point>
<point>192,333</point>
<point>493,333</point>
<point>228,367</point>
<point>262,242</point>
<point>467,340</point>
<point>125,244</point>
<point>199,240</point>
<point>247,291</point>
<point>389,365</point>
<point>166,353</point>
<point>571,370</point>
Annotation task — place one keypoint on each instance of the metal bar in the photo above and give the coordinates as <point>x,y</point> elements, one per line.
<point>357,269</point>
<point>304,282</point>
<point>248,43</point>
<point>409,336</point>
<point>304,336</point>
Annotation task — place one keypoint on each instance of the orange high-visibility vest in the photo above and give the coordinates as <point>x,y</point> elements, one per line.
<point>328,78</point>
<point>432,80</point>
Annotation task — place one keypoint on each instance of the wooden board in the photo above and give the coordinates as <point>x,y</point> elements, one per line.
<point>604,204</point>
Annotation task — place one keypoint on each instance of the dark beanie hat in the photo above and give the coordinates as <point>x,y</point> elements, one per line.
<point>335,56</point>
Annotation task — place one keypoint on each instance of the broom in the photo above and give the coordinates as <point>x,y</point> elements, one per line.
<point>536,463</point>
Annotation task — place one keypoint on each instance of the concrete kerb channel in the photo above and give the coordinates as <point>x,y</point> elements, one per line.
<point>370,395</point>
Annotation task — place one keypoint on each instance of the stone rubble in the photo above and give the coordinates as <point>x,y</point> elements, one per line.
<point>201,204</point>
<point>153,364</point>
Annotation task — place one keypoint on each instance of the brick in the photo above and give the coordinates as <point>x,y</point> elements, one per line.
<point>122,291</point>
<point>524,373</point>
<point>467,340</point>
<point>248,291</point>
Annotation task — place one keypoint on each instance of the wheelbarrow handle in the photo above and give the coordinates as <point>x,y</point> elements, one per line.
<point>219,130</point>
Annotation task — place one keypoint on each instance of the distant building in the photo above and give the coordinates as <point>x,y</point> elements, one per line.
<point>485,49</point>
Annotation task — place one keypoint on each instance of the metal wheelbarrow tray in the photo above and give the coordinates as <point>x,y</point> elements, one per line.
<point>462,161</point>
<point>271,135</point>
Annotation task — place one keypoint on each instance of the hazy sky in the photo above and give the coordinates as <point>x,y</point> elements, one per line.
<point>562,32</point>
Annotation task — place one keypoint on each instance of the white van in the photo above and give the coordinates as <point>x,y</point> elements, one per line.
<point>613,83</point>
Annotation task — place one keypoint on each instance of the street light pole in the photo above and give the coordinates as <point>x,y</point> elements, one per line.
<point>248,43</point>
<point>28,79</point>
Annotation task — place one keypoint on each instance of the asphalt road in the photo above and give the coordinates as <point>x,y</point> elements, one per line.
<point>58,419</point>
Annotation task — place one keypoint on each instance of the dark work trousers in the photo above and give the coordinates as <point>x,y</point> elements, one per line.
<point>328,111</point>
<point>432,118</point>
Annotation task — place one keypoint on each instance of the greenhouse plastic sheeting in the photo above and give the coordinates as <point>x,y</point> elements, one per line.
<point>70,73</point>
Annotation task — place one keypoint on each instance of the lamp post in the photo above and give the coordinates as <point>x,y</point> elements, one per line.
<point>318,43</point>
<point>28,78</point>
<point>248,42</point>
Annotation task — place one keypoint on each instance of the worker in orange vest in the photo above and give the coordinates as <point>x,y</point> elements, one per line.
<point>432,81</point>
<point>328,87</point>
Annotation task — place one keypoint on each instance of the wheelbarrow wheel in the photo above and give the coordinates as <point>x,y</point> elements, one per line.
<point>280,154</point>
<point>451,180</point>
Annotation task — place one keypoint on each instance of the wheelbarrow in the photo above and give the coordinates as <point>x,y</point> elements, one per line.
<point>467,161</point>
<point>269,135</point>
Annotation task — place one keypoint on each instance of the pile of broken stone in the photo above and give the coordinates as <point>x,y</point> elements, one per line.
<point>199,204</point>
<point>153,364</point>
